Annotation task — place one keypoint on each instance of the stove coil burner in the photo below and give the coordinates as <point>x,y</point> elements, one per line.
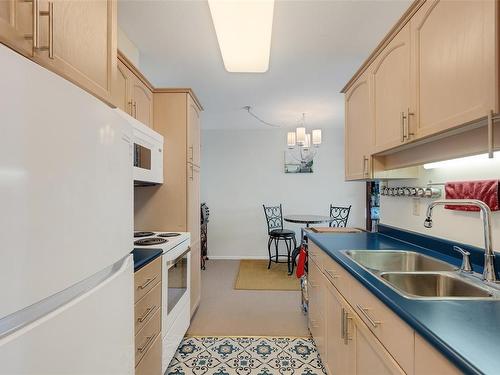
<point>169,234</point>
<point>150,241</point>
<point>143,234</point>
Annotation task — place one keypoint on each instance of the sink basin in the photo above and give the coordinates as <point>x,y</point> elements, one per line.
<point>397,261</point>
<point>439,285</point>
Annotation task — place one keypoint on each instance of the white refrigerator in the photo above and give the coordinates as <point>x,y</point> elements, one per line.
<point>66,227</point>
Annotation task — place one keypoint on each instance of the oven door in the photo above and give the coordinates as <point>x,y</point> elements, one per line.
<point>178,280</point>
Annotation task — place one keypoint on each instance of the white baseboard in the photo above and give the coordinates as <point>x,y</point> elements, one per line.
<point>236,257</point>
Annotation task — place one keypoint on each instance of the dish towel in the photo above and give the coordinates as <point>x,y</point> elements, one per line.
<point>484,190</point>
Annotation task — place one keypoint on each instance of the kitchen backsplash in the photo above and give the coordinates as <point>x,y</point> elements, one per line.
<point>466,227</point>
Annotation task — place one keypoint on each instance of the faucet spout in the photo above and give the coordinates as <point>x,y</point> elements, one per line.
<point>489,273</point>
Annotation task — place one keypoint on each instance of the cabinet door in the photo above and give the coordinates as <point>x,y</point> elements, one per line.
<point>428,361</point>
<point>455,66</point>
<point>121,88</point>
<point>391,92</point>
<point>339,347</point>
<point>358,130</point>
<point>193,226</point>
<point>83,48</point>
<point>142,99</point>
<point>195,276</point>
<point>194,146</point>
<point>16,29</point>
<point>371,357</point>
<point>316,308</point>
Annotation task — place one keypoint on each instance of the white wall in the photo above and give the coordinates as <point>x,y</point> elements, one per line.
<point>459,226</point>
<point>128,48</point>
<point>242,169</point>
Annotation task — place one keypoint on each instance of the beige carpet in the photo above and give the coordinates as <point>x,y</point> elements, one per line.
<point>225,311</point>
<point>254,275</point>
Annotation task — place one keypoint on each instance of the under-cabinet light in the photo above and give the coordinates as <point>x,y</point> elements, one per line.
<point>243,29</point>
<point>461,162</point>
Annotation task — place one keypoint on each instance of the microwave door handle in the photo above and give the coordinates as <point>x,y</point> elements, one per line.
<point>173,262</point>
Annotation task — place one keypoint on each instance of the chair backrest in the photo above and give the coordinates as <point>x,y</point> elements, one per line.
<point>274,217</point>
<point>340,214</point>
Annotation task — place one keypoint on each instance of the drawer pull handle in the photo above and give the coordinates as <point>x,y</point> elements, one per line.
<point>331,274</point>
<point>146,314</point>
<point>146,345</point>
<point>364,311</point>
<point>148,281</point>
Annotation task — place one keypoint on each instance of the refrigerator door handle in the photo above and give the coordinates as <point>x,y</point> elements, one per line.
<point>22,319</point>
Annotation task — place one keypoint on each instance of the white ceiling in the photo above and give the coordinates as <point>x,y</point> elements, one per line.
<point>316,47</point>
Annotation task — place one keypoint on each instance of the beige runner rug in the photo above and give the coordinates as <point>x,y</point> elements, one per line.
<point>254,275</point>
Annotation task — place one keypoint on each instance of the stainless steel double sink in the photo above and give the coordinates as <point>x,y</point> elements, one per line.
<point>419,276</point>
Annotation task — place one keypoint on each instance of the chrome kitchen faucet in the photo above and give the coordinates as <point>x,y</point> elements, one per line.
<point>489,255</point>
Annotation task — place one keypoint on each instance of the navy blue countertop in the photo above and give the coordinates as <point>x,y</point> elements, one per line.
<point>144,256</point>
<point>467,332</point>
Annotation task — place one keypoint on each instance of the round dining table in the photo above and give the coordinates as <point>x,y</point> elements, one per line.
<point>308,219</point>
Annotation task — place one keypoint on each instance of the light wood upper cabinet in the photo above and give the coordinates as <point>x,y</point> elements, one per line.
<point>142,102</point>
<point>131,94</point>
<point>391,92</point>
<point>454,63</point>
<point>121,88</point>
<point>194,144</point>
<point>358,130</point>
<point>16,28</point>
<point>83,43</point>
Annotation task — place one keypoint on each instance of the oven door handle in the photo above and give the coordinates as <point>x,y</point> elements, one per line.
<point>172,262</point>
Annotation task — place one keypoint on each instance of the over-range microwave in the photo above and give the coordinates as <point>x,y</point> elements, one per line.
<point>147,152</point>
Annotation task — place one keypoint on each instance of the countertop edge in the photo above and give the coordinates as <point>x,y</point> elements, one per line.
<point>142,261</point>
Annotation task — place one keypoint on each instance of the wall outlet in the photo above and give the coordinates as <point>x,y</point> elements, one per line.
<point>415,209</point>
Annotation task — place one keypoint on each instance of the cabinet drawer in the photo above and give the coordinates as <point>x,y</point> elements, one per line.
<point>146,307</point>
<point>338,276</point>
<point>392,332</point>
<point>145,338</point>
<point>146,278</point>
<point>151,363</point>
<point>315,254</point>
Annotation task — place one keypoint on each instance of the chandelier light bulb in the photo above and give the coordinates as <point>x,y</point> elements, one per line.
<point>290,138</point>
<point>301,136</point>
<point>316,137</point>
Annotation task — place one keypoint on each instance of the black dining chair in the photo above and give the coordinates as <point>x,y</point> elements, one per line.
<point>340,216</point>
<point>274,218</point>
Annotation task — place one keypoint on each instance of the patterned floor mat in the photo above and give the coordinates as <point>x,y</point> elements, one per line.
<point>246,356</point>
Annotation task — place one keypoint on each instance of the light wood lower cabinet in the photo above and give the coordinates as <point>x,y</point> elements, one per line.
<point>147,312</point>
<point>356,333</point>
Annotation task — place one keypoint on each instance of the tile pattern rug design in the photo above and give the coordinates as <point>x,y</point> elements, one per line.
<point>246,356</point>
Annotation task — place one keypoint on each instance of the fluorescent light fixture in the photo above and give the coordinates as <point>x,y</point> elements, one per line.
<point>462,162</point>
<point>243,29</point>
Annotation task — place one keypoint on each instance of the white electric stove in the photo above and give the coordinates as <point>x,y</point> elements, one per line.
<point>176,288</point>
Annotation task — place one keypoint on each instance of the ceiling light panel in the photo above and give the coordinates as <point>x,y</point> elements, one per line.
<point>243,29</point>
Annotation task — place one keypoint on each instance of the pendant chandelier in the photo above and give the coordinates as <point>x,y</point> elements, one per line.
<point>303,145</point>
